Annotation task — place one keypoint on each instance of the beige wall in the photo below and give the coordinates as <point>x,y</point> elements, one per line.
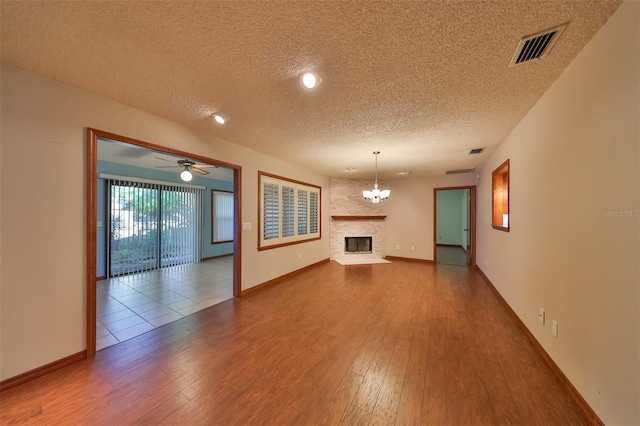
<point>42,247</point>
<point>574,161</point>
<point>410,213</point>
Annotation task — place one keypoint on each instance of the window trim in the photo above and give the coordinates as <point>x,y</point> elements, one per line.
<point>296,238</point>
<point>500,183</point>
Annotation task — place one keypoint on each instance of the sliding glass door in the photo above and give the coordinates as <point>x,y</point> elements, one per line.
<point>152,226</point>
<point>181,227</point>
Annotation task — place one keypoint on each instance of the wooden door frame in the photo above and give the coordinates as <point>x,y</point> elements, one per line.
<point>91,218</point>
<point>472,207</point>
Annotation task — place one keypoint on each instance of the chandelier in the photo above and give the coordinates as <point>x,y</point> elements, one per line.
<point>376,195</point>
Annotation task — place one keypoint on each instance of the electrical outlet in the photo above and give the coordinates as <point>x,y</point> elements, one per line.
<point>299,255</point>
<point>397,246</point>
<point>555,328</point>
<point>413,248</point>
<point>541,316</point>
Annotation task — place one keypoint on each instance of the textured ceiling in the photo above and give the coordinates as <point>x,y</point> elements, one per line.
<point>422,82</point>
<point>132,155</point>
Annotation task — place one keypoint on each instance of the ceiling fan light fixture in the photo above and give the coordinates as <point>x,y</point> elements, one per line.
<point>376,195</point>
<point>186,175</point>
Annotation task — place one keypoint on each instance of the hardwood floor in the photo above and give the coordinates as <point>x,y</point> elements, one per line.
<point>404,343</point>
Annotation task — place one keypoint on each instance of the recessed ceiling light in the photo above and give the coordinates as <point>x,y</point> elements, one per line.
<point>310,80</point>
<point>404,173</point>
<point>349,169</point>
<point>220,119</point>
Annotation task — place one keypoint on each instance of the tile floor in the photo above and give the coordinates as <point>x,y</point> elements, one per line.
<point>130,305</point>
<point>448,255</point>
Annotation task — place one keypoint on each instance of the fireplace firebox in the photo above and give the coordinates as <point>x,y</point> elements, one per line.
<point>358,245</point>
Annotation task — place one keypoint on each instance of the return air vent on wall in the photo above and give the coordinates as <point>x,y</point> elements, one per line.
<point>536,46</point>
<point>455,172</point>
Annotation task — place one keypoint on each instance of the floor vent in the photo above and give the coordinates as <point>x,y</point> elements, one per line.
<point>455,172</point>
<point>536,46</point>
<point>476,150</point>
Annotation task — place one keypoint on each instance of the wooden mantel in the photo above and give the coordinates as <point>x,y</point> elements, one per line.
<point>358,217</point>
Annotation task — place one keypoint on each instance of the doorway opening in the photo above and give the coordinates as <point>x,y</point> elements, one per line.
<point>149,257</point>
<point>454,225</point>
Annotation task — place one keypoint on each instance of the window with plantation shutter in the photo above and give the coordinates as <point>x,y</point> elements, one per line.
<point>314,221</point>
<point>289,211</point>
<point>303,211</point>
<point>271,211</point>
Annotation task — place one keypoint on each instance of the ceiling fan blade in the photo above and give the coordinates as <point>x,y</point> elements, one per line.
<point>165,167</point>
<point>204,166</point>
<point>198,170</point>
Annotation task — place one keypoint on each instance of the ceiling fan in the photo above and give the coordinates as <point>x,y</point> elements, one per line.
<point>187,165</point>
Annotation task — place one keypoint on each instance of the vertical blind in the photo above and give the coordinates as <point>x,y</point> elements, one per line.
<point>222,214</point>
<point>152,225</point>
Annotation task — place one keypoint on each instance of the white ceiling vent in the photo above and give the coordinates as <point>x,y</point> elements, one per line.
<point>536,46</point>
<point>455,172</point>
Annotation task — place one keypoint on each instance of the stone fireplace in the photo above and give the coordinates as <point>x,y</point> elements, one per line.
<point>353,217</point>
<point>341,229</point>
